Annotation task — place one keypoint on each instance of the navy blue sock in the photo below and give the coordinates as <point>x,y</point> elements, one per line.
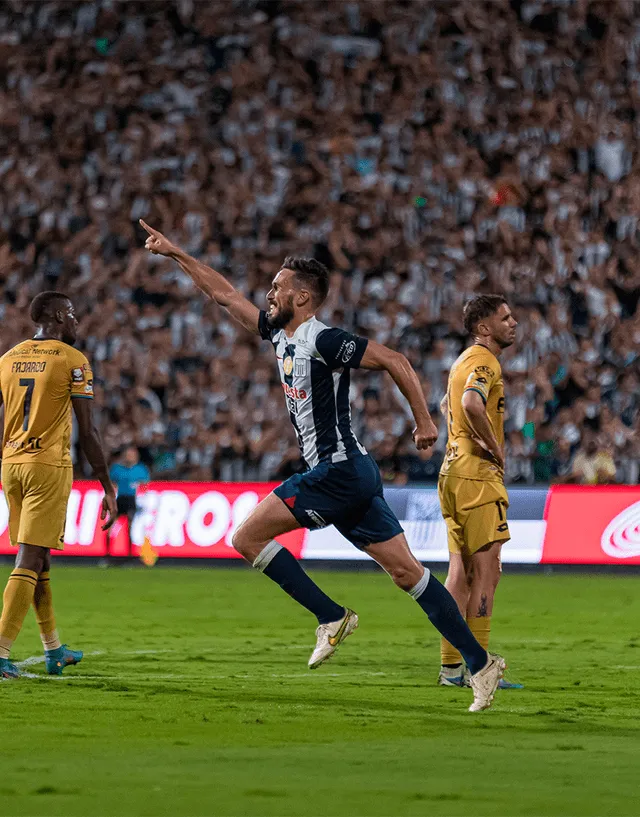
<point>284,569</point>
<point>440,606</point>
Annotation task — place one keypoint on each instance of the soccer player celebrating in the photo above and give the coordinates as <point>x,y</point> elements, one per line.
<point>471,487</point>
<point>342,485</point>
<point>40,380</point>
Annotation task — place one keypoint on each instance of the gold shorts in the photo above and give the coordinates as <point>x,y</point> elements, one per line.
<point>37,497</point>
<point>475,512</point>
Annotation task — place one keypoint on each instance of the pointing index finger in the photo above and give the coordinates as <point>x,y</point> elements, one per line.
<point>150,230</point>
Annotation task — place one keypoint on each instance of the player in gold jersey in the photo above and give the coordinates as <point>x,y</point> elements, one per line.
<point>471,488</point>
<point>40,379</point>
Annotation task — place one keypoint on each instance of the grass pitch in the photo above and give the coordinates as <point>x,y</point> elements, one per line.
<point>194,699</point>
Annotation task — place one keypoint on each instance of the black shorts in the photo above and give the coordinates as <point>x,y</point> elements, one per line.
<point>347,495</point>
<point>126,505</point>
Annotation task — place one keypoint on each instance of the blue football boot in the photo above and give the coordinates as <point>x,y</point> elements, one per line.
<point>504,684</point>
<point>451,676</point>
<point>56,660</point>
<point>459,677</point>
<point>7,669</point>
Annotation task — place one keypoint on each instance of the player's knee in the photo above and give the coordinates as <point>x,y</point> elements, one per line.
<point>246,544</point>
<point>405,577</point>
<point>241,542</point>
<point>32,558</point>
<point>487,570</point>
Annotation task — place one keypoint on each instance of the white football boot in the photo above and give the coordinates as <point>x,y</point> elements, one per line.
<point>485,682</point>
<point>329,636</point>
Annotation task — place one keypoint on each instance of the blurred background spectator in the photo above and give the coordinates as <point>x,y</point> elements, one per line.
<point>424,151</point>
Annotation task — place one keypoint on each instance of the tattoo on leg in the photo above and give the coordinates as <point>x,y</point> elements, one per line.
<point>482,609</point>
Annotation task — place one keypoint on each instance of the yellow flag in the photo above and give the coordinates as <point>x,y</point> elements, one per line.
<point>148,556</point>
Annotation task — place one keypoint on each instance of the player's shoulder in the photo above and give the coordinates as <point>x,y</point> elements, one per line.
<point>308,333</point>
<point>18,349</point>
<point>26,348</point>
<point>479,358</point>
<point>74,356</point>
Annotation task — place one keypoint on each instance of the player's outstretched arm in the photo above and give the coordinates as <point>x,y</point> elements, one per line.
<point>212,283</point>
<point>476,413</point>
<point>379,357</point>
<point>92,447</point>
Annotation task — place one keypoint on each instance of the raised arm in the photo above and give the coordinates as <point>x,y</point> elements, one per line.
<point>476,413</point>
<point>89,440</point>
<point>380,357</point>
<point>212,283</point>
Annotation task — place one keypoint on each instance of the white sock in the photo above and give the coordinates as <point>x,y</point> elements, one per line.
<point>266,556</point>
<point>50,641</point>
<point>421,586</point>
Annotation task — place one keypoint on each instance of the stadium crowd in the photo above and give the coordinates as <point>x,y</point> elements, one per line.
<point>424,151</point>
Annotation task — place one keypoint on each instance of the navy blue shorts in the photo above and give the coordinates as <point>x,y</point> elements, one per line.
<point>345,494</point>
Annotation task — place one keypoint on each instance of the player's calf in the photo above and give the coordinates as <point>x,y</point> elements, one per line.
<point>283,568</point>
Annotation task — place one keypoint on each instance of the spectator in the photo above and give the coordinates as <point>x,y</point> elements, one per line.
<point>594,465</point>
<point>402,144</point>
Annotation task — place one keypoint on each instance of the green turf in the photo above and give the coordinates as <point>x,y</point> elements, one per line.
<point>194,699</point>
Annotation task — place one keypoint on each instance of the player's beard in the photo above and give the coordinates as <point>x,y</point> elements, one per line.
<point>504,344</point>
<point>283,316</point>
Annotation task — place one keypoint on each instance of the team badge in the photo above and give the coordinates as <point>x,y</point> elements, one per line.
<point>287,365</point>
<point>300,367</point>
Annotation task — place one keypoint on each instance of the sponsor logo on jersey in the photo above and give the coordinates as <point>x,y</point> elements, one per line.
<point>287,365</point>
<point>34,350</point>
<point>348,350</point>
<point>77,375</point>
<point>485,369</point>
<point>621,537</point>
<point>294,393</point>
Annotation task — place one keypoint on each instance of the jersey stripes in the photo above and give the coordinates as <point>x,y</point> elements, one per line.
<point>314,367</point>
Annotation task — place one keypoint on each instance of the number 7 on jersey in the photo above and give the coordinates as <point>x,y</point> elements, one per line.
<point>29,383</point>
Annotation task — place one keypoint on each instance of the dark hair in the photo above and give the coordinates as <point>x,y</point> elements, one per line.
<point>45,304</point>
<point>479,308</point>
<point>310,274</point>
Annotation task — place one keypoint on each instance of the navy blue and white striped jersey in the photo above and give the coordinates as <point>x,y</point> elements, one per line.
<point>314,367</point>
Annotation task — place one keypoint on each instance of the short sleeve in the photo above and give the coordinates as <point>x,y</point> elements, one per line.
<point>341,349</point>
<point>266,332</point>
<point>481,380</point>
<point>81,377</point>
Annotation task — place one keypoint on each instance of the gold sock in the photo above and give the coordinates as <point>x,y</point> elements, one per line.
<point>18,595</point>
<point>449,654</point>
<point>43,604</point>
<point>481,628</point>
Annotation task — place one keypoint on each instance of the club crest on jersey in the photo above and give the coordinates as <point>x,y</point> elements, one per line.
<point>300,367</point>
<point>287,365</point>
<point>77,375</point>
